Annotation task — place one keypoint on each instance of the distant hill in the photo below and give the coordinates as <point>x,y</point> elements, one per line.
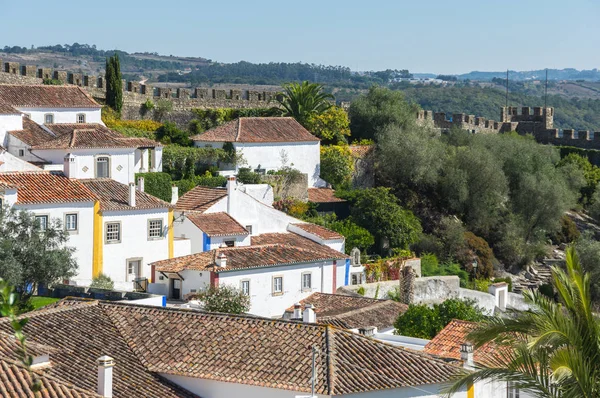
<point>553,74</point>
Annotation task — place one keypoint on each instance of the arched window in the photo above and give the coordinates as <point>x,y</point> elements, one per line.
<point>81,118</point>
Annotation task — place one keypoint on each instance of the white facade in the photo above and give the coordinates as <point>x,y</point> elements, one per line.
<point>304,156</point>
<point>9,123</point>
<point>63,115</point>
<point>134,245</point>
<point>9,162</point>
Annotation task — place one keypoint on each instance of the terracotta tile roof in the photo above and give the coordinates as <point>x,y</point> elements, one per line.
<point>217,224</point>
<point>45,96</point>
<point>115,196</point>
<point>323,195</point>
<point>319,231</point>
<point>360,151</point>
<point>352,312</point>
<point>291,239</point>
<point>249,350</point>
<point>245,257</point>
<point>80,334</point>
<point>200,198</point>
<point>89,135</point>
<point>6,109</point>
<point>32,133</point>
<point>16,382</point>
<point>46,187</point>
<point>258,129</point>
<point>446,344</point>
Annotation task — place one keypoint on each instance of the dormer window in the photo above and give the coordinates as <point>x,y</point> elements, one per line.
<point>81,118</point>
<point>48,118</point>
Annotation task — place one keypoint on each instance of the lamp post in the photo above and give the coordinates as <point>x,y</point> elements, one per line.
<point>474,264</point>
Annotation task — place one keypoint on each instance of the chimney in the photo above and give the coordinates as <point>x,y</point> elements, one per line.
<point>174,195</point>
<point>221,260</point>
<point>297,311</point>
<point>141,184</point>
<point>230,191</point>
<point>69,167</point>
<point>131,194</point>
<point>368,331</point>
<point>105,376</point>
<point>309,315</point>
<point>466,355</point>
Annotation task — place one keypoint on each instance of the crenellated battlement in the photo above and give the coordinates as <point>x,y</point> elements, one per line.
<point>445,122</point>
<point>13,72</point>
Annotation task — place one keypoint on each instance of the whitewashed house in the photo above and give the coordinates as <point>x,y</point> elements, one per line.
<point>43,124</point>
<point>115,229</point>
<point>124,350</point>
<point>240,241</point>
<point>267,143</point>
<point>9,162</point>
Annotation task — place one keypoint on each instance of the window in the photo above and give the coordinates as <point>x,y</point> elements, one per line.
<point>245,287</point>
<point>134,267</point>
<point>102,169</point>
<point>113,232</point>
<point>155,229</point>
<point>357,278</point>
<point>43,220</point>
<point>277,285</point>
<point>249,229</point>
<point>21,152</point>
<point>81,118</point>
<point>229,243</point>
<point>71,222</point>
<point>48,118</point>
<point>306,281</point>
<point>512,391</point>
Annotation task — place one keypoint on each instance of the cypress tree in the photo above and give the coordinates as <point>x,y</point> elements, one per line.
<point>114,84</point>
<point>109,76</point>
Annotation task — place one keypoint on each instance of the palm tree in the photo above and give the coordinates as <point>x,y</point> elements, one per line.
<point>552,350</point>
<point>301,100</point>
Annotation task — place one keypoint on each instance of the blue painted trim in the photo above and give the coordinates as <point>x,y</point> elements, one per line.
<point>347,272</point>
<point>205,242</point>
<point>164,301</point>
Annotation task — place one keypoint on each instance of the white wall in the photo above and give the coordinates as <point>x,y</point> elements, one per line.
<point>64,115</point>
<point>263,302</point>
<point>9,123</point>
<point>9,162</point>
<point>82,240</point>
<point>261,192</point>
<point>188,230</point>
<point>193,280</point>
<point>85,162</point>
<point>426,391</point>
<point>134,244</point>
<point>181,247</point>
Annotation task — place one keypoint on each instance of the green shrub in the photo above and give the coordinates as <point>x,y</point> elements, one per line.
<point>376,292</point>
<point>184,186</point>
<point>547,290</point>
<point>247,176</point>
<point>429,264</point>
<point>567,231</point>
<point>211,181</point>
<point>103,282</point>
<point>157,184</point>
<point>361,291</point>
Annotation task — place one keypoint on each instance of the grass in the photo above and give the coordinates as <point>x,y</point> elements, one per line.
<point>39,301</point>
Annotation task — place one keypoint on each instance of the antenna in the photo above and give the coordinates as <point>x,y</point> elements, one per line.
<point>507,89</point>
<point>546,92</point>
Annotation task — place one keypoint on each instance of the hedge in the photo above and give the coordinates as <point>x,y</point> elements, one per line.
<point>157,184</point>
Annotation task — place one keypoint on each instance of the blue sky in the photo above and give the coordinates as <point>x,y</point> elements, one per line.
<point>423,36</point>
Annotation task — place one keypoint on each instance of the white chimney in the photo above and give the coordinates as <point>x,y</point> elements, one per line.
<point>69,166</point>
<point>230,192</point>
<point>297,311</point>
<point>221,260</point>
<point>174,195</point>
<point>466,355</point>
<point>105,376</point>
<point>368,331</point>
<point>141,184</point>
<point>309,315</point>
<point>131,194</point>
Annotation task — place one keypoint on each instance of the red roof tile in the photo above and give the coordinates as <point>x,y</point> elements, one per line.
<point>291,239</point>
<point>447,342</point>
<point>90,135</point>
<point>6,109</point>
<point>319,231</point>
<point>200,198</point>
<point>45,96</point>
<point>351,312</point>
<point>46,187</point>
<point>244,257</point>
<point>32,133</point>
<point>323,195</point>
<point>249,350</point>
<point>217,224</point>
<point>115,196</point>
<point>258,129</point>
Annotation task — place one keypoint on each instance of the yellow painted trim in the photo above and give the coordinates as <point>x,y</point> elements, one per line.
<point>471,391</point>
<point>97,250</point>
<point>171,233</point>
